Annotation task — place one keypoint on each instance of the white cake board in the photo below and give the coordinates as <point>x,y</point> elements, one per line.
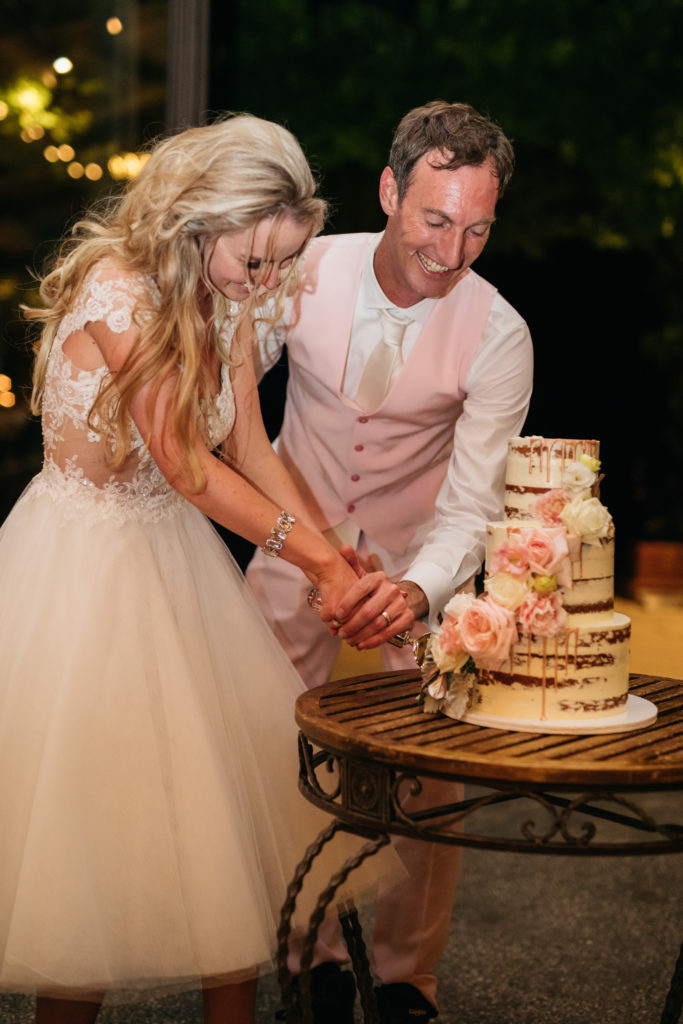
<point>639,713</point>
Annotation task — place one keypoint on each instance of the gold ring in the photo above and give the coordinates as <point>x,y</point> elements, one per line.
<point>386,618</point>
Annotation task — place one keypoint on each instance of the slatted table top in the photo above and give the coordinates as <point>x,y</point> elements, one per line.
<point>377,717</point>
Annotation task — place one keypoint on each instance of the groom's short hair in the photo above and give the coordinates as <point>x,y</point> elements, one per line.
<point>462,136</point>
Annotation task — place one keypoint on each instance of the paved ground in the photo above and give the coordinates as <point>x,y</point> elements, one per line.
<point>536,939</point>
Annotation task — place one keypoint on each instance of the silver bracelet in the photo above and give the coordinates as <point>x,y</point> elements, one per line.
<point>278,534</point>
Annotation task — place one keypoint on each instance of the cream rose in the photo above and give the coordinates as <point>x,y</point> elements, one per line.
<point>577,478</point>
<point>458,604</point>
<point>507,590</point>
<point>587,518</point>
<point>488,632</point>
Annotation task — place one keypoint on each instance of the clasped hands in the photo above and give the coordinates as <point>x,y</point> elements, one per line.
<point>374,609</point>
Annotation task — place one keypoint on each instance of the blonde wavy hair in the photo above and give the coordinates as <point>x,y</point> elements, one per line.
<point>196,186</point>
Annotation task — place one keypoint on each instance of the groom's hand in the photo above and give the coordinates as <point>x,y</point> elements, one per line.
<point>374,609</point>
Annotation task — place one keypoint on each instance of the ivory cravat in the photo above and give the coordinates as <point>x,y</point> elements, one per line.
<point>383,362</point>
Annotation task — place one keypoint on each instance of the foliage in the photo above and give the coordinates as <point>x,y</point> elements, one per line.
<point>588,241</point>
<point>587,245</point>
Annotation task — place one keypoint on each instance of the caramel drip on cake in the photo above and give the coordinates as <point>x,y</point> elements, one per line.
<point>578,667</point>
<point>540,449</point>
<point>535,465</point>
<point>545,676</point>
<point>572,635</point>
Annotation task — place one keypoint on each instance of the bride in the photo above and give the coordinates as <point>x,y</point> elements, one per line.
<point>150,818</point>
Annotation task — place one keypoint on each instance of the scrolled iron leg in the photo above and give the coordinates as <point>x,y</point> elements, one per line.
<point>674,1000</point>
<point>285,928</point>
<point>316,919</point>
<point>353,936</point>
<point>303,1013</point>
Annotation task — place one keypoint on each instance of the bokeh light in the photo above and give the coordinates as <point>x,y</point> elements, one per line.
<point>7,397</point>
<point>62,65</point>
<point>126,165</point>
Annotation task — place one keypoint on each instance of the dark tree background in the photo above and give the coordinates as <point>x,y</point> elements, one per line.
<point>587,246</point>
<point>588,242</point>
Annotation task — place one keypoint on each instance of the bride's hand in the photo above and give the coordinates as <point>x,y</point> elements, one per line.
<point>333,584</point>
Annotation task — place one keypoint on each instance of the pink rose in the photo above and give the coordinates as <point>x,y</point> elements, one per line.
<point>487,632</point>
<point>542,614</point>
<point>548,552</point>
<point>548,506</point>
<point>447,650</point>
<point>511,557</point>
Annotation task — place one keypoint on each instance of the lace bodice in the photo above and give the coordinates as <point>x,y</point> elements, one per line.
<point>75,469</point>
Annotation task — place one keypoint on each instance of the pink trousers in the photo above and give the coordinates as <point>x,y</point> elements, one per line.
<point>412,919</point>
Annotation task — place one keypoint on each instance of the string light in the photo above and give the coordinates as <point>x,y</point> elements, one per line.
<point>7,397</point>
<point>126,165</point>
<point>62,65</point>
<point>33,132</point>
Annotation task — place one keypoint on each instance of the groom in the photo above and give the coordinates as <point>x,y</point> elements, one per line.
<point>407,374</point>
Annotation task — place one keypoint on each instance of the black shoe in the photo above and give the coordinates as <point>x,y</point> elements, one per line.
<point>401,1003</point>
<point>333,993</point>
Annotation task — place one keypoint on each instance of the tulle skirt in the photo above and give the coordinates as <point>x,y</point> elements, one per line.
<point>149,814</point>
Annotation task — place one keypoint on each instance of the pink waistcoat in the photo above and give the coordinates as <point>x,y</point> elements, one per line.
<point>382,470</point>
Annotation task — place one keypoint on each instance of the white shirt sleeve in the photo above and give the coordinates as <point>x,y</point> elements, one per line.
<point>498,391</point>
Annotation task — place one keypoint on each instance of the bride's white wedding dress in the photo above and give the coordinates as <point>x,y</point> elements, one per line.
<point>149,813</point>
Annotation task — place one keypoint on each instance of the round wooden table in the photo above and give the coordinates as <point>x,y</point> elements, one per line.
<point>365,743</point>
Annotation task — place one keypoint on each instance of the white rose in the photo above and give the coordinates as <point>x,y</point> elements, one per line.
<point>587,518</point>
<point>577,477</point>
<point>458,604</point>
<point>507,590</point>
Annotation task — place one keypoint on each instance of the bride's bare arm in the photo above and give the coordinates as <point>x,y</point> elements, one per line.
<point>249,451</point>
<point>230,498</point>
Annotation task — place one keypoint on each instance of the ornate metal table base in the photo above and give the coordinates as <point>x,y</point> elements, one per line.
<point>364,748</point>
<point>369,796</point>
<point>350,928</point>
